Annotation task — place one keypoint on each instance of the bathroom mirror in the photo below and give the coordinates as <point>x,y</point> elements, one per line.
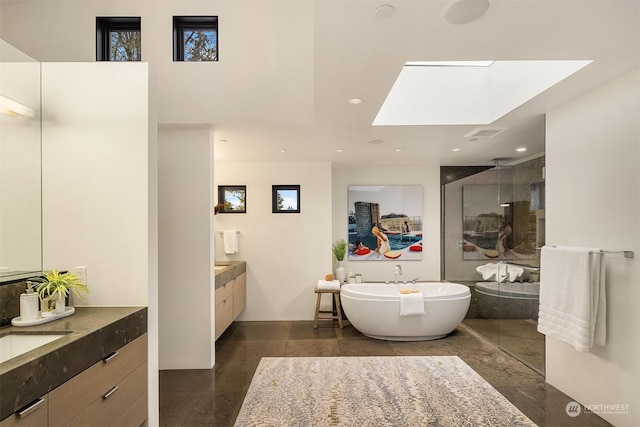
<point>20,165</point>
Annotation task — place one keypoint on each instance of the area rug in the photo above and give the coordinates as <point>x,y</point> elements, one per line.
<point>373,391</point>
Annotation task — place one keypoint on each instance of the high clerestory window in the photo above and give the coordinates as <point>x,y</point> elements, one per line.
<point>118,39</point>
<point>195,38</point>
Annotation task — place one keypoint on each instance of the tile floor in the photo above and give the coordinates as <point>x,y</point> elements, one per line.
<point>519,337</point>
<point>214,397</point>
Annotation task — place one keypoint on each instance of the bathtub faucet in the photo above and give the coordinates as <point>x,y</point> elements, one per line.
<point>398,272</point>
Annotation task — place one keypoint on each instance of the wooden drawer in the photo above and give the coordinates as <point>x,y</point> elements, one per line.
<point>33,415</point>
<point>115,401</point>
<point>224,316</point>
<point>135,414</point>
<point>240,281</point>
<point>224,292</point>
<point>239,297</point>
<point>72,397</point>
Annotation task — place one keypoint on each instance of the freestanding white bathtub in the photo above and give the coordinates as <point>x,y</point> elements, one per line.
<point>374,310</point>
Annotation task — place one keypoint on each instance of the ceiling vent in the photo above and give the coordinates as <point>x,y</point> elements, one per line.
<point>485,132</point>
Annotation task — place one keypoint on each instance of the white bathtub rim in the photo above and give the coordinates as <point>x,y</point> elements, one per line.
<point>351,291</point>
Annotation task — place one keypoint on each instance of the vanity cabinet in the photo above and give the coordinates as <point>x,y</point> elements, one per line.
<point>230,301</point>
<point>239,295</point>
<point>33,415</point>
<point>111,392</point>
<point>224,307</point>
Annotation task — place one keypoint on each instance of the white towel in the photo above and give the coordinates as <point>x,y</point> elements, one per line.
<point>412,304</point>
<point>572,296</point>
<point>324,285</point>
<point>230,238</point>
<point>507,272</point>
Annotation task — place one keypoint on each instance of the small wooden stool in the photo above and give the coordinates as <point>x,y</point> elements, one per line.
<point>332,316</point>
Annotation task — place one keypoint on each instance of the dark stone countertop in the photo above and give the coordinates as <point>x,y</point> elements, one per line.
<point>91,334</point>
<point>232,270</point>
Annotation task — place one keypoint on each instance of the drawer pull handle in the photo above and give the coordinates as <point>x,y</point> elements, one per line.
<point>110,392</point>
<point>30,408</point>
<point>110,357</point>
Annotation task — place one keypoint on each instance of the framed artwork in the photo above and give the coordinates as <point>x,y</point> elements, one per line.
<point>385,222</point>
<point>232,198</point>
<point>285,199</point>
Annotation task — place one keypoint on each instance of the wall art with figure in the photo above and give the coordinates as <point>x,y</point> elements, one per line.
<point>385,222</point>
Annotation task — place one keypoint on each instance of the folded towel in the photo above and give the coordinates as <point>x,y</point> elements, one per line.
<point>572,296</point>
<point>230,238</point>
<point>412,304</point>
<point>332,285</point>
<point>500,272</point>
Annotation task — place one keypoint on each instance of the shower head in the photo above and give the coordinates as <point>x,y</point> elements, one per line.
<point>498,166</point>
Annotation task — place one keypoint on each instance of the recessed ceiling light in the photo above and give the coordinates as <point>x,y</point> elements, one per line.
<point>397,150</point>
<point>521,149</point>
<point>340,150</point>
<point>376,141</point>
<point>282,150</point>
<point>355,101</point>
<point>456,150</point>
<point>384,11</point>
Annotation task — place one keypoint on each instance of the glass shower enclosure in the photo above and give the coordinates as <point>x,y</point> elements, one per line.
<point>493,227</point>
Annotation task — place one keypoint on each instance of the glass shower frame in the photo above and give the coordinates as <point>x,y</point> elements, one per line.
<point>504,313</point>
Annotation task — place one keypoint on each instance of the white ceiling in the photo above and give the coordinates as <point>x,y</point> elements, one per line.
<point>357,54</point>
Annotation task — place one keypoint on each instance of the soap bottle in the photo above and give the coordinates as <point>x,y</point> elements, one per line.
<point>29,304</point>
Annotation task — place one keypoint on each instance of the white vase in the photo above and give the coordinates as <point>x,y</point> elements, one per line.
<point>341,273</point>
<point>60,304</point>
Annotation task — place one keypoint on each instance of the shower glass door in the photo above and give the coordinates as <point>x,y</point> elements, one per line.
<point>493,223</point>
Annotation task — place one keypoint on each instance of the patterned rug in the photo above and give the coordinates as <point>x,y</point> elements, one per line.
<point>373,391</point>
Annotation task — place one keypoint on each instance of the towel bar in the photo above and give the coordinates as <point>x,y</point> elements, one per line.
<point>221,232</point>
<point>627,254</point>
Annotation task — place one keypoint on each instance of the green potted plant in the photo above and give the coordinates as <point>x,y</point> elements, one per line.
<point>55,287</point>
<point>339,249</point>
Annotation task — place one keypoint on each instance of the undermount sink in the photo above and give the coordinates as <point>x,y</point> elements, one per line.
<point>219,267</point>
<point>14,345</point>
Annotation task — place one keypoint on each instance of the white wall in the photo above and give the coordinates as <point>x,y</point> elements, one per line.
<point>95,193</point>
<point>20,237</point>
<point>428,176</point>
<point>152,304</point>
<point>593,200</point>
<point>95,177</point>
<point>265,51</point>
<point>286,253</point>
<point>185,260</point>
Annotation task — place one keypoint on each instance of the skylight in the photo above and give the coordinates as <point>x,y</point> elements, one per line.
<point>467,92</point>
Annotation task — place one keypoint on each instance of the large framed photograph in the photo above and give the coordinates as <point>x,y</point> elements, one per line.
<point>385,222</point>
<point>285,199</point>
<point>232,198</point>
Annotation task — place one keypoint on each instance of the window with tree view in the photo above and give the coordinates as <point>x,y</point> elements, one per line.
<point>118,39</point>
<point>195,38</point>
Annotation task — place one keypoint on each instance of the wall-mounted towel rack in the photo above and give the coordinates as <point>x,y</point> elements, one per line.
<point>221,232</point>
<point>627,254</point>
